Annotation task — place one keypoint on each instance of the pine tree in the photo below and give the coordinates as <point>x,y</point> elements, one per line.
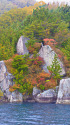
<point>55,68</point>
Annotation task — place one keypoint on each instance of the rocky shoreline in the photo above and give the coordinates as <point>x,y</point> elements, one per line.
<point>59,95</point>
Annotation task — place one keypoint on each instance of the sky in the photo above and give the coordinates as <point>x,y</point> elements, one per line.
<point>46,1</point>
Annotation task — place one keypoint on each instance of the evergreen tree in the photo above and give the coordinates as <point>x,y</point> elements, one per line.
<point>55,68</point>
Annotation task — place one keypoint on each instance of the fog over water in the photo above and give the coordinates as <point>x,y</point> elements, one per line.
<point>51,1</point>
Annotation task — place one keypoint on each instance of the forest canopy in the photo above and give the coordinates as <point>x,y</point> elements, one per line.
<point>36,22</point>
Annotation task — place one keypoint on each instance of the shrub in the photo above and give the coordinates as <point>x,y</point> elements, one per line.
<point>34,47</point>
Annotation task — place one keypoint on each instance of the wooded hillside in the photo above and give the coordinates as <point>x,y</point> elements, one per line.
<point>36,24</point>
<point>6,5</point>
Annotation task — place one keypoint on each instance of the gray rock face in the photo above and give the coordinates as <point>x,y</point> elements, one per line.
<point>64,92</point>
<point>48,54</point>
<point>21,47</point>
<point>48,96</point>
<point>16,97</point>
<point>56,90</point>
<point>36,91</point>
<point>2,70</point>
<point>5,82</point>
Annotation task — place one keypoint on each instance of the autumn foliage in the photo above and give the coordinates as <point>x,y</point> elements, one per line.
<point>49,42</point>
<point>44,81</point>
<point>35,47</point>
<point>28,73</point>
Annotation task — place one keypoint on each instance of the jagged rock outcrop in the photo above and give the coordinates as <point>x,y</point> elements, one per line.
<point>21,47</point>
<point>64,92</point>
<point>6,80</point>
<point>47,53</point>
<point>36,91</point>
<point>48,96</point>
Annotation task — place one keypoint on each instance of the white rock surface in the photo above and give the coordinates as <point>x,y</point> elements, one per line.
<point>2,70</point>
<point>6,79</point>
<point>48,96</point>
<point>16,97</point>
<point>21,47</point>
<point>48,54</point>
<point>36,91</point>
<point>64,92</point>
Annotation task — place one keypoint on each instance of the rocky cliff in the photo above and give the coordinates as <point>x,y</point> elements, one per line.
<point>6,80</point>
<point>64,92</point>
<point>21,47</point>
<point>61,96</point>
<point>47,53</point>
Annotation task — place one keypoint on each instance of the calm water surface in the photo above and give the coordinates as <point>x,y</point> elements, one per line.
<point>34,114</point>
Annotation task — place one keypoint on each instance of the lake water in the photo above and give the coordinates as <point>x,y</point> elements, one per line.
<point>34,114</point>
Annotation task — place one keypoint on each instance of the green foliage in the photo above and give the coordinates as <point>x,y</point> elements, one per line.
<point>40,24</point>
<point>42,87</point>
<point>19,63</point>
<point>45,21</point>
<point>24,69</point>
<point>66,50</point>
<point>20,71</point>
<point>55,68</point>
<point>1,93</point>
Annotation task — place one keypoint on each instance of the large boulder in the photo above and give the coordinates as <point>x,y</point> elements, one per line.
<point>36,91</point>
<point>47,53</point>
<point>16,97</point>
<point>21,47</point>
<point>6,80</point>
<point>64,92</point>
<point>48,96</point>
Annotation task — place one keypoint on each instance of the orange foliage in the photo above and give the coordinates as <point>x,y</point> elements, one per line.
<point>40,78</point>
<point>14,87</point>
<point>8,64</point>
<point>49,41</point>
<point>31,49</point>
<point>44,74</point>
<point>11,89</point>
<point>44,80</point>
<point>15,55</point>
<point>50,84</point>
<point>38,61</point>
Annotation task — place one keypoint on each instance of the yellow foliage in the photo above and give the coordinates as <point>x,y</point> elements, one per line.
<point>1,93</point>
<point>41,3</point>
